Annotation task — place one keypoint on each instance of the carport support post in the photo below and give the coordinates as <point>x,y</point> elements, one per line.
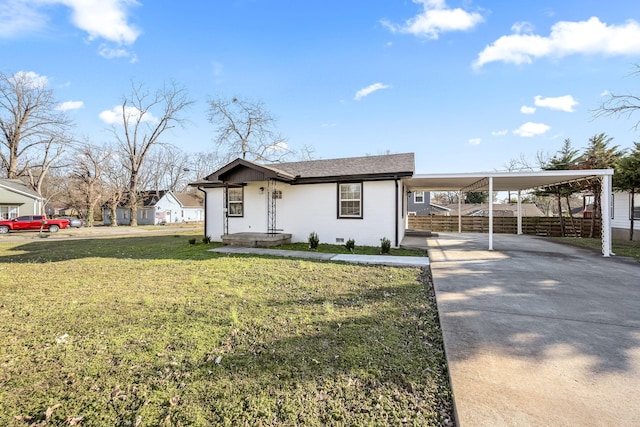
<point>605,202</point>
<point>459,211</point>
<point>490,213</point>
<point>519,212</point>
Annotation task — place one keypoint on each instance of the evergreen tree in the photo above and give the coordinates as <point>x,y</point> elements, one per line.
<point>627,178</point>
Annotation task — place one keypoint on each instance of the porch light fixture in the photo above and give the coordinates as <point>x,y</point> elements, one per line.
<point>261,190</point>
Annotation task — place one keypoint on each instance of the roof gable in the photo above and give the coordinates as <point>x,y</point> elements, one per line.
<point>241,170</point>
<point>17,186</point>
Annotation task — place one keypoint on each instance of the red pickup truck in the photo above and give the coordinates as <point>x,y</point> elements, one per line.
<point>32,223</point>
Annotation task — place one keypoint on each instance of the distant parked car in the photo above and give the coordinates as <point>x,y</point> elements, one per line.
<point>74,222</point>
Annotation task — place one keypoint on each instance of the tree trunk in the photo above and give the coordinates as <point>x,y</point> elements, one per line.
<point>562,230</point>
<point>114,215</point>
<point>594,214</point>
<point>573,224</point>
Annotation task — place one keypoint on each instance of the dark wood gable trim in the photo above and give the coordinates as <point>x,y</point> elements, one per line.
<point>241,171</point>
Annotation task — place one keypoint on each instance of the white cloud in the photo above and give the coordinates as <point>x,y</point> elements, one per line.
<point>105,19</point>
<point>562,103</point>
<point>525,109</point>
<point>436,18</point>
<point>110,53</point>
<point>70,105</point>
<point>369,90</point>
<point>475,141</point>
<point>522,27</point>
<point>530,129</point>
<point>114,115</point>
<point>500,132</point>
<point>566,38</point>
<point>100,19</point>
<point>31,79</point>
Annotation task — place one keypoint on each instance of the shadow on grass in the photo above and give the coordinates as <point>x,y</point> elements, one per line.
<point>146,247</point>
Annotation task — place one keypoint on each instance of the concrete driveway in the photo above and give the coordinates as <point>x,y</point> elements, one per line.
<point>538,333</point>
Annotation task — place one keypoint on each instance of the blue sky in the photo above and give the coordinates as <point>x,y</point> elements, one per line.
<point>466,85</point>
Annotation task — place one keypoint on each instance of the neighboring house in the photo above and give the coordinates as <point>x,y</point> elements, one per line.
<point>160,207</point>
<point>499,209</point>
<point>419,203</point>
<point>360,198</point>
<point>17,198</point>
<point>622,214</point>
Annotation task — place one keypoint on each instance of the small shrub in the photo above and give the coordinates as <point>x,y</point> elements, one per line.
<point>350,245</point>
<point>385,245</point>
<point>206,240</point>
<point>192,241</point>
<point>313,240</point>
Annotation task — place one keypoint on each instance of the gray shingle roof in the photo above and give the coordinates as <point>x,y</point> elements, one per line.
<point>367,165</point>
<point>19,186</point>
<point>385,166</point>
<point>188,200</point>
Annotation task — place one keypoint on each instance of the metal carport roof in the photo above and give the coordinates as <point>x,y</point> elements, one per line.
<point>502,181</point>
<point>517,181</point>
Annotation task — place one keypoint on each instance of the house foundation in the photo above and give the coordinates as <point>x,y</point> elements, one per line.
<point>256,240</point>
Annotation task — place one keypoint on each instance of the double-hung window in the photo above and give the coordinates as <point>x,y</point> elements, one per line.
<point>350,200</point>
<point>8,212</point>
<point>418,197</point>
<point>235,201</point>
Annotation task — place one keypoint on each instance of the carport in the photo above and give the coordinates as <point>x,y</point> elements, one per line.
<point>517,182</point>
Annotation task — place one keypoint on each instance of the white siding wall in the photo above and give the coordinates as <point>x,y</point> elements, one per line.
<point>307,208</point>
<point>620,222</point>
<point>214,203</point>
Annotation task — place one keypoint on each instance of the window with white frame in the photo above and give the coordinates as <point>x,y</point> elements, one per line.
<point>635,212</point>
<point>350,200</point>
<point>235,201</point>
<point>8,212</point>
<point>418,197</point>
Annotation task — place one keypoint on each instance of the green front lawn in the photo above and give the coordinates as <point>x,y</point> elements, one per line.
<point>148,331</point>
<point>620,247</point>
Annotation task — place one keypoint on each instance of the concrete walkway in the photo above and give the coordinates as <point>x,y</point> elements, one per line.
<point>538,333</point>
<point>400,261</point>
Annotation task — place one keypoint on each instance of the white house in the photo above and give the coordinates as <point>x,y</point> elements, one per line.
<point>160,207</point>
<point>622,214</point>
<point>359,198</point>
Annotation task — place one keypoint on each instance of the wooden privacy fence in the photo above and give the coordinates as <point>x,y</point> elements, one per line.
<point>539,226</point>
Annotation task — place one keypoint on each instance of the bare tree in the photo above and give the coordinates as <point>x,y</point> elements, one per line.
<point>34,131</point>
<point>146,116</point>
<point>88,178</point>
<point>168,168</point>
<point>621,104</point>
<point>444,197</point>
<point>115,184</point>
<point>245,129</point>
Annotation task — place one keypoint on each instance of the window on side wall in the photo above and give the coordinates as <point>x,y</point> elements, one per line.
<point>350,200</point>
<point>635,212</point>
<point>418,197</point>
<point>235,201</point>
